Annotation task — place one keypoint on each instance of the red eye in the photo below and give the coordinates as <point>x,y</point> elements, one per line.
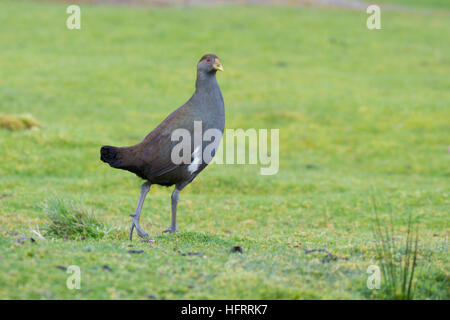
<point>208,60</point>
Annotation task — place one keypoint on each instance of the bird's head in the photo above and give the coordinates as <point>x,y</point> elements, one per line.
<point>209,63</point>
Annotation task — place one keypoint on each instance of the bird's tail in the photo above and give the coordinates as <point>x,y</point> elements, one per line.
<point>111,156</point>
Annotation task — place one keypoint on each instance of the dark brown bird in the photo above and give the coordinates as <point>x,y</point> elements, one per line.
<point>153,158</point>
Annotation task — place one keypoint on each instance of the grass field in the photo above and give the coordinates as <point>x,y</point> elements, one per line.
<point>362,114</point>
<point>415,3</point>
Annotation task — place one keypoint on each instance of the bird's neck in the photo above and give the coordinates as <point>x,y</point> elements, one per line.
<point>206,81</point>
<point>207,98</point>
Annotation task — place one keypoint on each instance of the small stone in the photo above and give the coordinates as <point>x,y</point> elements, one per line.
<point>106,268</point>
<point>136,251</point>
<point>237,249</point>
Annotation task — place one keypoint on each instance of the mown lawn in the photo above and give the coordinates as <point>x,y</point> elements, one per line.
<point>362,114</point>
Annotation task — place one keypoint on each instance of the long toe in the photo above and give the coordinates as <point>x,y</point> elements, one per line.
<point>170,230</point>
<point>139,230</point>
<point>131,231</point>
<point>142,234</point>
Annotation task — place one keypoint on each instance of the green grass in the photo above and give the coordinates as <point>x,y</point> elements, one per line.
<point>356,109</point>
<point>396,257</point>
<point>69,220</point>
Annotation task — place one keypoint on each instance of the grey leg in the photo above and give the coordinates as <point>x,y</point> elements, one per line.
<point>173,226</point>
<point>135,216</point>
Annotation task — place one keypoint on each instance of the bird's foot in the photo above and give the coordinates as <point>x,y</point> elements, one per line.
<point>170,230</point>
<point>139,230</point>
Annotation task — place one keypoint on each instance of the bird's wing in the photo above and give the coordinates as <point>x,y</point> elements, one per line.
<point>157,147</point>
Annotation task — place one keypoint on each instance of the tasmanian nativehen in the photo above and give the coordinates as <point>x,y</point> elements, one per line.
<point>152,159</point>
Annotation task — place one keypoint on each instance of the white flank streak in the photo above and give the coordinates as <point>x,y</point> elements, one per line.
<point>197,160</point>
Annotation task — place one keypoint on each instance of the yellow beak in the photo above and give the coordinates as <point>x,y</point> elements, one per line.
<point>217,65</point>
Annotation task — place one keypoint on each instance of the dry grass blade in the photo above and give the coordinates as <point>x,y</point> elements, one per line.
<point>18,122</point>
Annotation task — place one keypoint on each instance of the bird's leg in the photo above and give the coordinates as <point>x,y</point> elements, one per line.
<point>173,225</point>
<point>135,216</point>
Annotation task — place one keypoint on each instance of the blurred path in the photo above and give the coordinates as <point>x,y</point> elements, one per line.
<point>335,3</point>
<point>351,4</point>
<point>344,4</point>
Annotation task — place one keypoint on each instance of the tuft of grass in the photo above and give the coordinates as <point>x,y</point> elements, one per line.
<point>398,261</point>
<point>14,122</point>
<point>70,220</point>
